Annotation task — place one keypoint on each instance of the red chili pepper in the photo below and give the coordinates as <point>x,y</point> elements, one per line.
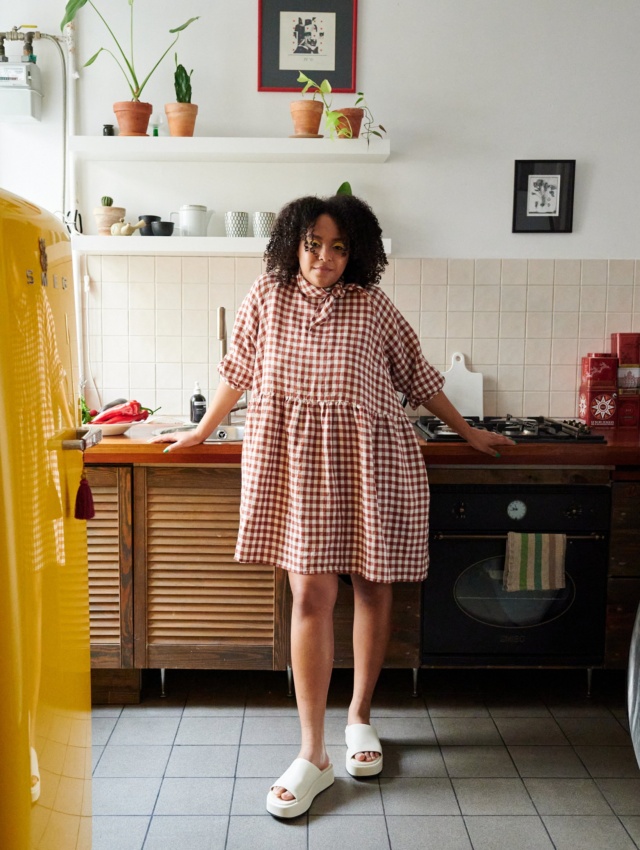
<point>131,409</point>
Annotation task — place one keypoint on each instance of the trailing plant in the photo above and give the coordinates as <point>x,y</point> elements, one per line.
<point>331,116</point>
<point>368,127</point>
<point>125,63</point>
<point>182,83</point>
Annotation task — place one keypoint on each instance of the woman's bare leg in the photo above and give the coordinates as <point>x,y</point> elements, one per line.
<point>371,631</point>
<point>314,599</point>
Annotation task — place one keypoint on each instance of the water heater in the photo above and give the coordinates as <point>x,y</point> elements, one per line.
<point>20,92</point>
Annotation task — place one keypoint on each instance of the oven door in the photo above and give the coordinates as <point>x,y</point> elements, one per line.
<point>469,620</point>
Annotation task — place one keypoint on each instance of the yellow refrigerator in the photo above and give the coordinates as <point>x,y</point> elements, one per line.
<point>45,722</point>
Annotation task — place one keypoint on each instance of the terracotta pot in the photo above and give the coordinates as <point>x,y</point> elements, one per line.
<point>353,116</point>
<point>181,118</point>
<point>306,116</point>
<point>106,216</point>
<point>133,117</point>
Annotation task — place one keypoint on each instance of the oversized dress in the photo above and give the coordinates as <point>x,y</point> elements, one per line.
<point>333,480</point>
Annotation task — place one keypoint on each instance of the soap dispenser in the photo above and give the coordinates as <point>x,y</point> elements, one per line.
<point>198,404</point>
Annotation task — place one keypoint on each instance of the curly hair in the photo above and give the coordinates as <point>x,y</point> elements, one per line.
<point>356,222</point>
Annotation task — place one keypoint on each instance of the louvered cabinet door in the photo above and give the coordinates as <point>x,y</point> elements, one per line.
<point>195,607</point>
<point>109,538</point>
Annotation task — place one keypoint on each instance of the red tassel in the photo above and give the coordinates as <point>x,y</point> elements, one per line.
<point>84,501</point>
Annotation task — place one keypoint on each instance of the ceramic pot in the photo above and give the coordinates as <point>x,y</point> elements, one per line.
<point>236,224</point>
<point>133,117</point>
<point>306,115</point>
<point>148,219</point>
<point>106,216</point>
<point>353,116</point>
<point>263,224</point>
<point>181,118</point>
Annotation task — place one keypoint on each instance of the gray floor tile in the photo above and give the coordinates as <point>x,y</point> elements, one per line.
<point>464,705</point>
<point>157,707</point>
<point>267,833</point>
<point>102,728</point>
<point>133,761</point>
<point>594,731</point>
<point>202,761</point>
<point>398,705</point>
<point>194,797</point>
<point>567,797</point>
<point>547,761</point>
<point>530,730</point>
<point>586,707</point>
<point>499,833</point>
<point>609,761</point>
<point>517,708</point>
<point>404,731</point>
<point>145,730</point>
<point>96,753</point>
<point>414,832</point>
<point>125,833</point>
<point>632,825</point>
<point>365,833</point>
<point>124,796</point>
<point>587,833</point>
<point>623,795</point>
<point>466,731</point>
<point>249,796</point>
<point>224,705</point>
<point>200,832</point>
<point>106,710</point>
<point>478,761</point>
<point>267,761</point>
<point>271,703</point>
<point>418,797</point>
<point>493,797</point>
<point>263,730</point>
<point>413,761</point>
<point>349,797</point>
<point>209,731</point>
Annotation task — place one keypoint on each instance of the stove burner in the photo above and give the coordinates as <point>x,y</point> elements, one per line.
<point>540,429</point>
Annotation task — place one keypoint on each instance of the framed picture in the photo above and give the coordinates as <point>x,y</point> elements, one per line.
<point>543,196</point>
<point>317,37</point>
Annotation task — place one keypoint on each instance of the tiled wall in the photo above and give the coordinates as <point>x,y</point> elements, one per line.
<point>151,322</point>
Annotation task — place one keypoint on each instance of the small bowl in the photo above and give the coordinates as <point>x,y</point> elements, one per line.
<point>115,430</point>
<point>162,228</point>
<point>148,220</point>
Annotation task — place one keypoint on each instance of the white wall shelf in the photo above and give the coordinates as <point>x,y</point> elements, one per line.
<point>212,246</point>
<point>226,149</point>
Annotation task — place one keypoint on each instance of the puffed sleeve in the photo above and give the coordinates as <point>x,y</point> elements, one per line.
<point>237,366</point>
<point>411,373</point>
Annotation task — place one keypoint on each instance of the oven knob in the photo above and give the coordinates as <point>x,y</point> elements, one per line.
<point>458,511</point>
<point>574,512</point>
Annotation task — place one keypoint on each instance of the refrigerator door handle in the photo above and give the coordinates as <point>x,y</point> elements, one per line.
<point>78,439</point>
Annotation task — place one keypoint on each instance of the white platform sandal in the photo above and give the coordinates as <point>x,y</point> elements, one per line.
<point>362,738</point>
<point>305,781</point>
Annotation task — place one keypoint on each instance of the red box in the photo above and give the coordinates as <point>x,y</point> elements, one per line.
<point>629,412</point>
<point>626,347</point>
<point>600,371</point>
<point>597,408</point>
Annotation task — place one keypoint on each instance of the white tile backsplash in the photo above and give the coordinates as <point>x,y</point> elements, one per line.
<point>152,322</point>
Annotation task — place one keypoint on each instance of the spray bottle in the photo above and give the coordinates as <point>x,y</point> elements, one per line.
<point>198,404</point>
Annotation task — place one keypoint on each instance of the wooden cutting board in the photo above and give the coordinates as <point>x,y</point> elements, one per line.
<point>464,388</point>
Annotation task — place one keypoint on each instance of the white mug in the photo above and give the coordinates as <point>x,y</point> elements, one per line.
<point>193,219</point>
<point>236,224</point>
<point>263,224</point>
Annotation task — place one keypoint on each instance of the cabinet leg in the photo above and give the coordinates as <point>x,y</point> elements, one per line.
<point>415,671</point>
<point>163,693</point>
<point>289,680</point>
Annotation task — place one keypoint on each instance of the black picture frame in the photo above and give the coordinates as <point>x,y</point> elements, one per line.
<point>543,195</point>
<point>340,31</point>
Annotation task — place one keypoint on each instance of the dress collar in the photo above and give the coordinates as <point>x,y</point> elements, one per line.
<point>325,298</point>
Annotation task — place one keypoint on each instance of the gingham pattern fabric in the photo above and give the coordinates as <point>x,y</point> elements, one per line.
<point>333,480</point>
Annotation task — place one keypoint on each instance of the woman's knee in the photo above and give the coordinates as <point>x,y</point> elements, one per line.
<point>313,595</point>
<point>371,592</point>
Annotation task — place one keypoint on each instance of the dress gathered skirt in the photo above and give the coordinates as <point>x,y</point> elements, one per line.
<point>333,480</point>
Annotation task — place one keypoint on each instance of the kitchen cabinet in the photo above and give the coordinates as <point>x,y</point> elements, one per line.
<point>623,592</point>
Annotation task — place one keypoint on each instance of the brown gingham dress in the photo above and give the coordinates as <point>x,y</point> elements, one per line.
<point>333,480</point>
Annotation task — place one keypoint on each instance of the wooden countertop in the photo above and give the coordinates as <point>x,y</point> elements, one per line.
<point>621,449</point>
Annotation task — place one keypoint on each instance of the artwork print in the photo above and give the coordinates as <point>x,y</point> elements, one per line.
<point>307,41</point>
<point>543,194</point>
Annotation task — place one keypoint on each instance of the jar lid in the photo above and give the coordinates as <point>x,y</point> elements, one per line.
<point>198,207</point>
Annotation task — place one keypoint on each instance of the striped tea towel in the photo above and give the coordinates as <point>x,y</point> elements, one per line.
<point>534,561</point>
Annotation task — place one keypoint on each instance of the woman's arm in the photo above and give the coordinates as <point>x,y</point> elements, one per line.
<point>483,441</point>
<point>224,400</point>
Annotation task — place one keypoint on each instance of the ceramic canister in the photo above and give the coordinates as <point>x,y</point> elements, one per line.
<point>600,371</point>
<point>192,219</point>
<point>236,224</point>
<point>263,224</point>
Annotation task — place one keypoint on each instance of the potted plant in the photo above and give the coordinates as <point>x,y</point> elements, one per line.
<point>181,116</point>
<point>107,215</point>
<point>307,114</point>
<point>133,116</point>
<point>368,127</point>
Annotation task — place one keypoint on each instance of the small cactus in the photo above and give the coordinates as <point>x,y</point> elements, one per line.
<point>106,201</point>
<point>182,83</point>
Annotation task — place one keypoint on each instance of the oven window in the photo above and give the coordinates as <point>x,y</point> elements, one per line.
<point>479,594</point>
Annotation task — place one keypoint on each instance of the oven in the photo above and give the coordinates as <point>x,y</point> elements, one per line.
<point>470,621</point>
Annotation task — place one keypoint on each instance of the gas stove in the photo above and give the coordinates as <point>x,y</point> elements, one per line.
<point>522,429</point>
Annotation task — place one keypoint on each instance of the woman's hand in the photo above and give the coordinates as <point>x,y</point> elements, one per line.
<point>179,439</point>
<point>487,441</point>
<point>481,440</point>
